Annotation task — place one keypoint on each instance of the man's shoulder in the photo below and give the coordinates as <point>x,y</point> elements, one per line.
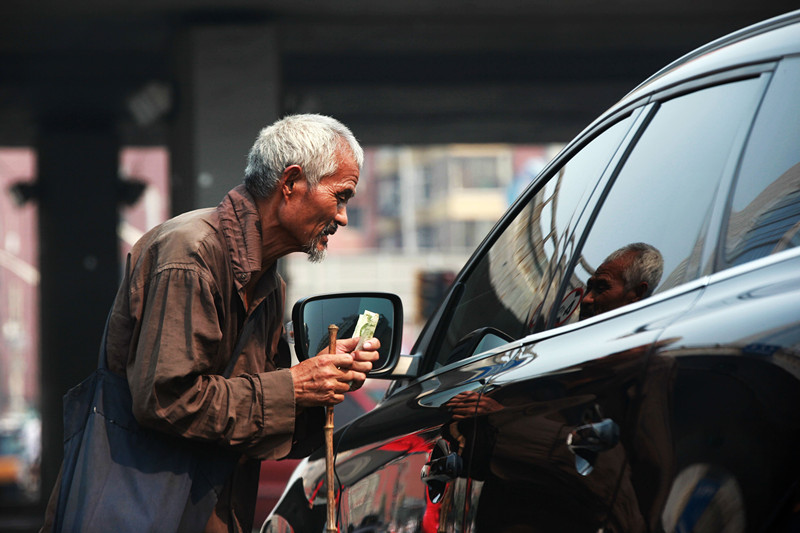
<point>192,225</point>
<point>187,240</point>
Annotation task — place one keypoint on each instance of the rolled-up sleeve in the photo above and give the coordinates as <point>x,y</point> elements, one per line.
<point>175,371</point>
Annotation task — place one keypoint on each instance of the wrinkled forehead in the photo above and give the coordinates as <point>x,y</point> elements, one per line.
<point>348,170</point>
<point>344,177</point>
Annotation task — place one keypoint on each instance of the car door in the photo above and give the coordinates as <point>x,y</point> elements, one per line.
<point>579,437</point>
<point>551,453</point>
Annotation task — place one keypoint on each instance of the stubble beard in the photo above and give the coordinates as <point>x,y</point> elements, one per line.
<point>314,252</point>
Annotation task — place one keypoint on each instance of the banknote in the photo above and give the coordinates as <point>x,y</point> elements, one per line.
<point>365,327</point>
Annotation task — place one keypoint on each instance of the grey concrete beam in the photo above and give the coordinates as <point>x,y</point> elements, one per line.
<point>228,88</point>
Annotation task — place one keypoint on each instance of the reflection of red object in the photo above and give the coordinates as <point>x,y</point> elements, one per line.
<point>410,443</point>
<point>275,474</point>
<point>272,481</point>
<point>315,492</point>
<point>431,518</point>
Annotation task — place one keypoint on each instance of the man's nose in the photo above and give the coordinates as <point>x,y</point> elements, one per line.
<point>341,216</point>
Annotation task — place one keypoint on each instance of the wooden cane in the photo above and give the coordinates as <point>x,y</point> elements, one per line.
<point>332,331</point>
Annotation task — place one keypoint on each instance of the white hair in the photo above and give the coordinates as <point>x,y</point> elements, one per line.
<point>646,265</point>
<point>313,142</point>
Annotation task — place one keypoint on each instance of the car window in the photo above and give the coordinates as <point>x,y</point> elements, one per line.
<point>507,289</point>
<point>661,201</point>
<point>764,216</point>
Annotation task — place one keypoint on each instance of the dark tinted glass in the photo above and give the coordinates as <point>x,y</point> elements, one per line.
<point>765,209</point>
<point>509,287</point>
<point>664,193</point>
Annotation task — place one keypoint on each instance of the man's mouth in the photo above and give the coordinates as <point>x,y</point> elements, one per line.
<point>330,229</point>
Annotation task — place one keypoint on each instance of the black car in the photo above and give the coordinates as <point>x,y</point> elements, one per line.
<point>539,399</point>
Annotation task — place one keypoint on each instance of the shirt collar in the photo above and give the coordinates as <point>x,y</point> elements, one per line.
<point>241,227</point>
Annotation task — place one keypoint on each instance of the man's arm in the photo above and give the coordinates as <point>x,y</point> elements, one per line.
<point>176,388</point>
<point>174,372</point>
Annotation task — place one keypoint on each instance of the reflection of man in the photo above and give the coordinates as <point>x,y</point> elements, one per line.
<point>516,437</point>
<point>628,275</point>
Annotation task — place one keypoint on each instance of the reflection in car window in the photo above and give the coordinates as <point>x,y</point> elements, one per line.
<point>510,285</point>
<point>662,199</point>
<point>765,210</point>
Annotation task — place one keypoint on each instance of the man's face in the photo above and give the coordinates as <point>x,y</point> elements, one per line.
<point>606,289</point>
<point>321,210</point>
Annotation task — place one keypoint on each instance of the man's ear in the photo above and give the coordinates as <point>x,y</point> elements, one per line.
<point>289,179</point>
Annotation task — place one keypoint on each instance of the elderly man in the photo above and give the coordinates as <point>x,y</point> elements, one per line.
<point>192,283</point>
<point>627,275</point>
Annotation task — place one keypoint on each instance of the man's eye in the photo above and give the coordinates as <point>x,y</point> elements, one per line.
<point>343,198</point>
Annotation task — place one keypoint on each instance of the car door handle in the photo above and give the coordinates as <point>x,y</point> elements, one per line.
<point>589,440</point>
<point>597,437</point>
<point>443,469</point>
<point>437,473</point>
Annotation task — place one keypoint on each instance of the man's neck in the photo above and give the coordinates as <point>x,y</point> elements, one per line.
<point>275,242</point>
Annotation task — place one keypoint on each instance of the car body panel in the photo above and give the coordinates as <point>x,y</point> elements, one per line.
<point>381,454</point>
<point>380,468</point>
<point>590,375</point>
<point>733,413</point>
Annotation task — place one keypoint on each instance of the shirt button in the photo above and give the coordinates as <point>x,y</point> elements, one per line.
<point>242,277</point>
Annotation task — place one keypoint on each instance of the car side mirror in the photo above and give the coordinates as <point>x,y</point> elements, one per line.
<point>478,341</point>
<point>311,317</point>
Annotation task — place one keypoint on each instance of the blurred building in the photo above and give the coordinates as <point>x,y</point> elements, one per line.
<point>20,423</point>
<point>418,215</point>
<point>19,287</point>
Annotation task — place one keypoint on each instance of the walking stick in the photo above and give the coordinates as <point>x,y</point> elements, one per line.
<point>332,330</point>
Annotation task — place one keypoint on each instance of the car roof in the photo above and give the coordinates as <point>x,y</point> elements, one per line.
<point>765,41</point>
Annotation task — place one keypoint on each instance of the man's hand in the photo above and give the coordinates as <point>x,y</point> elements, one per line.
<point>323,380</point>
<point>469,404</point>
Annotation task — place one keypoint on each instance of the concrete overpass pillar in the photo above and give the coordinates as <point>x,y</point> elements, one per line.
<point>227,89</point>
<point>78,160</point>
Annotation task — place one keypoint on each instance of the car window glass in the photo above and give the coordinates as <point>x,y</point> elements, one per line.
<point>662,197</point>
<point>765,210</point>
<point>509,286</point>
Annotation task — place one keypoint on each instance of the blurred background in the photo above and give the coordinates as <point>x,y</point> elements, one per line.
<point>115,115</point>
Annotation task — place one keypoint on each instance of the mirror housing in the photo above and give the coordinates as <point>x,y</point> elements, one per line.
<point>478,341</point>
<point>311,317</point>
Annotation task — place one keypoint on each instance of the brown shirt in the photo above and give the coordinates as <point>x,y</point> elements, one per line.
<point>175,322</point>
